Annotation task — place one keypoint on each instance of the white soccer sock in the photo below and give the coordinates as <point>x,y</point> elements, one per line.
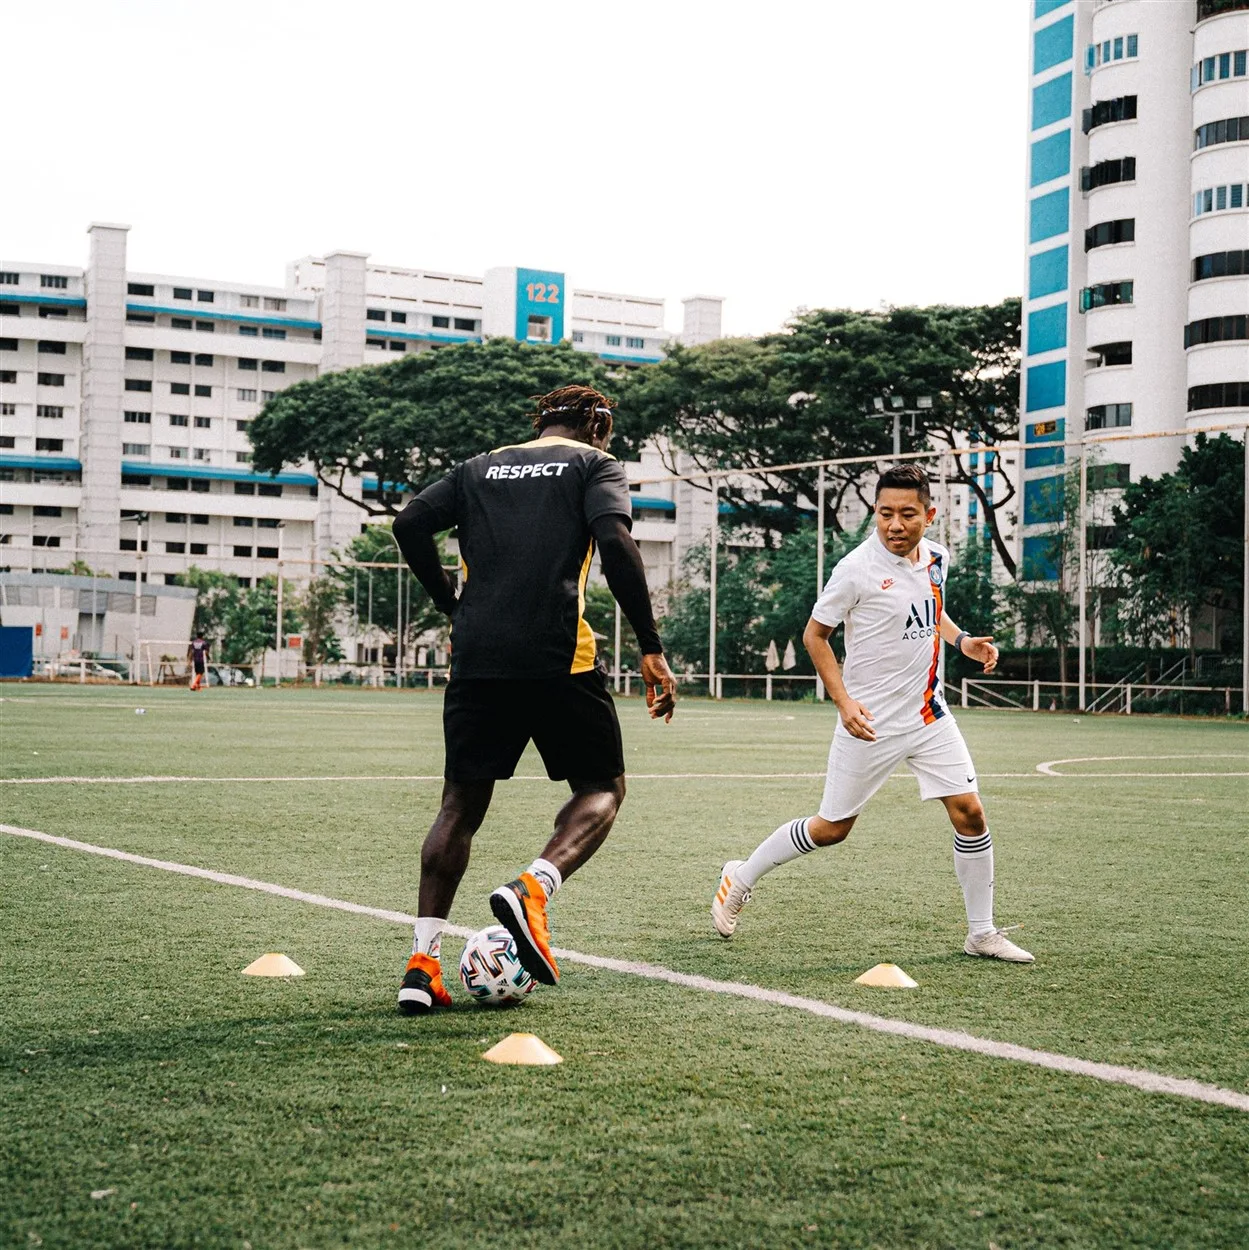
<point>427,936</point>
<point>788,842</point>
<point>549,877</point>
<point>973,863</point>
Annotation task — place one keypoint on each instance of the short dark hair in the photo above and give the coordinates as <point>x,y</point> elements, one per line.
<point>581,407</point>
<point>905,477</point>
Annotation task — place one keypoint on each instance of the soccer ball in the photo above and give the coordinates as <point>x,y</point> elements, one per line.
<point>491,970</point>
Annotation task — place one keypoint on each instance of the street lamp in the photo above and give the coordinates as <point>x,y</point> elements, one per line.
<point>141,518</point>
<point>895,406</point>
<point>278,639</point>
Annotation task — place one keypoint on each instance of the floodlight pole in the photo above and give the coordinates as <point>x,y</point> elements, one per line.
<point>714,544</point>
<point>819,558</point>
<point>615,668</point>
<point>278,639</point>
<point>1082,538</point>
<point>136,675</point>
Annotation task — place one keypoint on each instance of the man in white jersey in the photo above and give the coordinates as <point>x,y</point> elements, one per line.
<point>890,593</point>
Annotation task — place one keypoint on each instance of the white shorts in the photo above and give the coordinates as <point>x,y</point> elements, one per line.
<point>936,754</point>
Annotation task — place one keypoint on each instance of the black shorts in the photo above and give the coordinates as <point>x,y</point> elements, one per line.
<point>487,724</point>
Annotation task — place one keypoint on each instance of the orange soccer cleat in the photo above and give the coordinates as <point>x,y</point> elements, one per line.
<point>520,907</point>
<point>422,989</point>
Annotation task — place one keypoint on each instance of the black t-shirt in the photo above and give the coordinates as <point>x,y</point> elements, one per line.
<point>199,653</point>
<point>524,515</point>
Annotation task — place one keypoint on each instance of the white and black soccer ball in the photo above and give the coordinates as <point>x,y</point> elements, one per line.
<point>491,970</point>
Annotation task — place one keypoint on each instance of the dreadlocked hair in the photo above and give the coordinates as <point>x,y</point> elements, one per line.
<point>581,407</point>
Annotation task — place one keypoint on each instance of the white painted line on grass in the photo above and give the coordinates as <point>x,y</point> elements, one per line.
<point>1137,1078</point>
<point>1050,767</point>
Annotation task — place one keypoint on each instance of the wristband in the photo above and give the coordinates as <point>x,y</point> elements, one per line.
<point>958,642</point>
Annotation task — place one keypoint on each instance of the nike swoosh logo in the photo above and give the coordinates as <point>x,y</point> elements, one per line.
<point>971,778</point>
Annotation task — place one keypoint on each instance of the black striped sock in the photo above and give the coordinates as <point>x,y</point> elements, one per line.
<point>800,837</point>
<point>974,845</point>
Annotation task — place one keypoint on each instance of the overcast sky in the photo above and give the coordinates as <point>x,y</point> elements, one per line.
<point>831,153</point>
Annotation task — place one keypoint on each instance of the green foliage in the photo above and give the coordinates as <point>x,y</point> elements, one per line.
<point>240,622</point>
<point>319,605</point>
<point>410,421</point>
<point>1180,542</point>
<point>600,615</point>
<point>806,394</point>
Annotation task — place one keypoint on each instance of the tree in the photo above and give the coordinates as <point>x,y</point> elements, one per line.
<point>407,423</point>
<point>251,619</point>
<point>319,605</point>
<point>1179,548</point>
<point>972,597</point>
<point>807,394</point>
<point>216,597</point>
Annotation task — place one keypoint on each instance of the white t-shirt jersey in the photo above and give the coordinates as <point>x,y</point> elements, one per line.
<point>892,612</point>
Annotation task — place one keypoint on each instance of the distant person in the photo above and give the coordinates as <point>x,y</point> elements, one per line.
<point>197,653</point>
<point>890,593</point>
<point>524,665</point>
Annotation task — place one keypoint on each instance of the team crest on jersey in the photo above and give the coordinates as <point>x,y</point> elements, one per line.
<point>934,573</point>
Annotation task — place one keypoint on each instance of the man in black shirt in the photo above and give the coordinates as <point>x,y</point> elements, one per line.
<point>523,660</point>
<point>197,653</point>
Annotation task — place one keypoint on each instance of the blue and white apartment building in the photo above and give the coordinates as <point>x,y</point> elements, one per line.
<point>1137,271</point>
<point>128,394</point>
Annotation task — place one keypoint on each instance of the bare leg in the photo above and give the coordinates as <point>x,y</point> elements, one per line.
<point>444,856</point>
<point>583,823</point>
<point>829,832</point>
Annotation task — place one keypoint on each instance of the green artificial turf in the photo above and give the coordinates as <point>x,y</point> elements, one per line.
<point>220,1110</point>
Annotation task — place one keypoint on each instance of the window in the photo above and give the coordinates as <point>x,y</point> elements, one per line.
<point>250,332</point>
<point>613,340</point>
<point>1108,416</point>
<point>138,384</point>
<point>199,549</point>
<point>179,388</point>
<point>175,518</point>
<point>242,426</point>
<point>177,418</point>
<point>8,277</point>
<point>202,453</point>
<point>138,418</point>
<point>58,379</point>
<point>1104,294</point>
<point>8,375</point>
<point>201,486</point>
<point>270,333</point>
<point>1221,265</point>
<point>51,347</point>
<point>203,423</point>
<point>50,311</point>
<point>242,457</point>
<point>274,304</point>
<point>441,323</point>
<point>7,440</point>
<point>175,483</point>
<point>396,345</point>
<point>244,522</point>
<point>182,292</point>
<point>1131,45</point>
<point>635,342</point>
<point>266,396</point>
<point>1218,199</point>
<point>266,553</point>
<point>135,479</point>
<point>45,540</point>
<point>177,549</point>
<point>247,395</point>
<point>248,362</point>
<point>399,318</point>
<point>1112,354</point>
<point>10,410</point>
<point>269,489</point>
<point>140,319</point>
<point>249,301</point>
<point>273,366</point>
<point>375,314</point>
<point>52,412</point>
<point>205,297</point>
<point>464,323</point>
<point>203,360</point>
<point>8,345</point>
<point>243,551</point>
<point>578,337</point>
<point>207,327</point>
<point>1109,476</point>
<point>1123,230</point>
<point>177,453</point>
<point>1120,109</point>
<point>1226,130</point>
<point>1106,172</point>
<point>267,522</point>
<point>375,343</point>
<point>1234,328</point>
<point>182,323</point>
<point>179,358</point>
<point>140,353</point>
<point>199,518</point>
<point>136,449</point>
<point>9,309</point>
<point>47,510</point>
<point>204,392</point>
<point>49,444</point>
<point>140,288</point>
<point>244,488</point>
<point>53,281</point>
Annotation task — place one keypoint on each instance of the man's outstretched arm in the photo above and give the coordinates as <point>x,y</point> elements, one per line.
<point>626,578</point>
<point>414,530</point>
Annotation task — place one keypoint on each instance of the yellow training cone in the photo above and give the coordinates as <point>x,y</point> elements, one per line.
<point>522,1048</point>
<point>886,977</point>
<point>273,966</point>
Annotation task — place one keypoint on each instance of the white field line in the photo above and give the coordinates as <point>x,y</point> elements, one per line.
<point>1137,1078</point>
<point>1050,767</point>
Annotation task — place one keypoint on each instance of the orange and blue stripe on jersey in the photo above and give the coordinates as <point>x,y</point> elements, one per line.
<point>933,708</point>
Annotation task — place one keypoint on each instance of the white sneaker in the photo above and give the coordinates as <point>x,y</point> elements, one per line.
<point>729,900</point>
<point>996,945</point>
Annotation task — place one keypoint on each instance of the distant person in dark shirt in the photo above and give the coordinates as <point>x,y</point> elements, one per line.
<point>524,665</point>
<point>197,653</point>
